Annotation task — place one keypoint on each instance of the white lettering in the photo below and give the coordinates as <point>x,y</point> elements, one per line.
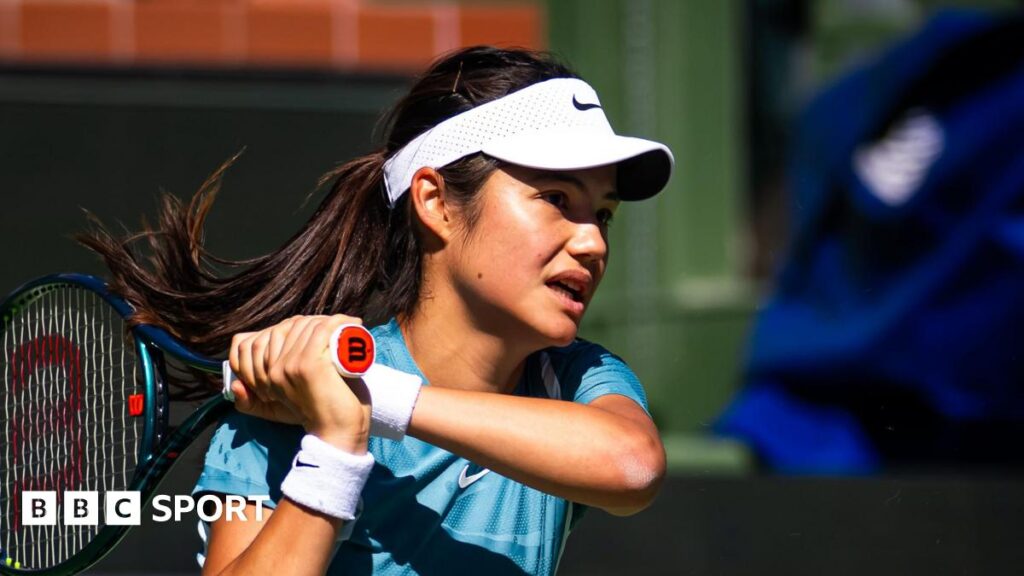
<point>217,506</point>
<point>183,503</point>
<point>160,504</point>
<point>259,500</point>
<point>234,505</point>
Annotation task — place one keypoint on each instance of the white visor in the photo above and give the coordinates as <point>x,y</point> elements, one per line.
<point>552,125</point>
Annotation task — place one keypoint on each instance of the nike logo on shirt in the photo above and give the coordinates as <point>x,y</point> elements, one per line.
<point>465,481</point>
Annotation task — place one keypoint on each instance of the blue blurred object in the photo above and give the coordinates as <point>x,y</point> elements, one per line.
<point>892,335</point>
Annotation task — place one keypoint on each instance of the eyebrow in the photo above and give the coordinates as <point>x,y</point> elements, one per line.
<point>569,179</point>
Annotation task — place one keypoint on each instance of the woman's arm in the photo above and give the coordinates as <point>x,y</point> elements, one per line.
<point>605,454</point>
<point>291,377</point>
<point>291,540</point>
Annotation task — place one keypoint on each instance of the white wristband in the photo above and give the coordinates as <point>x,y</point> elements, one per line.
<point>327,479</point>
<point>393,395</point>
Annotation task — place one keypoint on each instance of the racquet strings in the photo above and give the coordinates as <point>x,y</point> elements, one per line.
<point>67,371</point>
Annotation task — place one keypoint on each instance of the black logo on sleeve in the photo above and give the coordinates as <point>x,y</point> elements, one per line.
<point>581,106</point>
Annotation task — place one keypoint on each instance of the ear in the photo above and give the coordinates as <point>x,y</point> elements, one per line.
<point>428,199</point>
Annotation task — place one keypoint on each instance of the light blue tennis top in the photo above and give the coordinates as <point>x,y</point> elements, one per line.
<point>426,510</point>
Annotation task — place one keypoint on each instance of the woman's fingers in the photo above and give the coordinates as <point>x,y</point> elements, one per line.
<point>233,351</point>
<point>248,403</point>
<point>278,338</point>
<point>295,361</point>
<point>257,348</point>
<point>241,359</point>
<point>254,367</point>
<point>295,334</point>
<point>286,375</point>
<point>315,344</point>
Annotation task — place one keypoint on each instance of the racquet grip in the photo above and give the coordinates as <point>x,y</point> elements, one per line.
<point>352,351</point>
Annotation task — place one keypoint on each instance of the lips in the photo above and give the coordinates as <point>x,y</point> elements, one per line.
<point>572,290</point>
<point>576,285</point>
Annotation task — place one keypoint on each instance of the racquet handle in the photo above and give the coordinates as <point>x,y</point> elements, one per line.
<point>352,351</point>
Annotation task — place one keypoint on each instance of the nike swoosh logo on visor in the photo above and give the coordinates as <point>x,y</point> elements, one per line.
<point>581,106</point>
<point>465,481</point>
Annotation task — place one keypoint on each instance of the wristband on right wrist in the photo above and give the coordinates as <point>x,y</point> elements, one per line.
<point>393,396</point>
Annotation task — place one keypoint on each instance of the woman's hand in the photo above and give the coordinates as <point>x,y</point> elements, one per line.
<point>285,374</point>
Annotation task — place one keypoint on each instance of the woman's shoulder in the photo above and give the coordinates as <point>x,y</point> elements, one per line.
<point>582,355</point>
<point>584,371</point>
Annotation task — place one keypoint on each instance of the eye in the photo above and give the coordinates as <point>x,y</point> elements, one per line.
<point>556,198</point>
<point>605,216</point>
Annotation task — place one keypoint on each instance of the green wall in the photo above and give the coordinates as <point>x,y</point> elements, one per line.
<point>674,304</point>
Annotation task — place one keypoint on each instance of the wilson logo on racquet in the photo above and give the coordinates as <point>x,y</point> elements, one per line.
<point>357,349</point>
<point>42,410</point>
<point>353,349</point>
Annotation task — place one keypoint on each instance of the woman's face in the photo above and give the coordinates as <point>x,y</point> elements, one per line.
<point>531,262</point>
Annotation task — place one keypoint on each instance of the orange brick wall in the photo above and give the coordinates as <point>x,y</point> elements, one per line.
<point>345,34</point>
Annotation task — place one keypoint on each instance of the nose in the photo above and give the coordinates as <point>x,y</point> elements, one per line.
<point>588,242</point>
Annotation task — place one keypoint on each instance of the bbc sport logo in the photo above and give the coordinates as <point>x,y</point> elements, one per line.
<point>124,508</point>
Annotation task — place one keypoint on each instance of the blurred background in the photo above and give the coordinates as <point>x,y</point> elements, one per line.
<point>823,306</point>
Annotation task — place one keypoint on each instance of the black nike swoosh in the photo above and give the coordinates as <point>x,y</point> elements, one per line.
<point>581,106</point>
<point>300,463</point>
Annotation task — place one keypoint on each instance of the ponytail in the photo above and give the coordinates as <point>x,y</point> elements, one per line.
<point>335,263</point>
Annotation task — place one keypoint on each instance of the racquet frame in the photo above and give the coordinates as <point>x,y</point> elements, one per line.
<point>161,445</point>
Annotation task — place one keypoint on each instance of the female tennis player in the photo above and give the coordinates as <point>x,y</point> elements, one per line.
<point>474,240</point>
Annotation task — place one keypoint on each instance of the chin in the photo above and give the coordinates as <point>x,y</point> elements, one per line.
<point>561,333</point>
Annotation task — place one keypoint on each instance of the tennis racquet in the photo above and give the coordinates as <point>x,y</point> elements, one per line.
<point>85,408</point>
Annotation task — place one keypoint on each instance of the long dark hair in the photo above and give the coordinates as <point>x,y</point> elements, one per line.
<point>355,254</point>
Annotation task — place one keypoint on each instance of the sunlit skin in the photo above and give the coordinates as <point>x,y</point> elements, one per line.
<point>490,295</point>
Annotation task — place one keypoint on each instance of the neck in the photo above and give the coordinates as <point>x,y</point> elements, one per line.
<point>453,351</point>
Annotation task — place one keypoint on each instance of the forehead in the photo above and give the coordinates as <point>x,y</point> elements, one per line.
<point>597,182</point>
